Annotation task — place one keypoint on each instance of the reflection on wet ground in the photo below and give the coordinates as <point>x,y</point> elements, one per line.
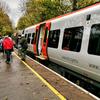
<point>17,82</point>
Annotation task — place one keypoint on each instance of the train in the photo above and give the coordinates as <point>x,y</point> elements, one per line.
<point>71,40</point>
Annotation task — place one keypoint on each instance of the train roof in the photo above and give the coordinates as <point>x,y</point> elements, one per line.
<point>83,10</point>
<point>30,27</point>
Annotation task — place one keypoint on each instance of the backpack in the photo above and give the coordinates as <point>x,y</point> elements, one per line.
<point>8,43</point>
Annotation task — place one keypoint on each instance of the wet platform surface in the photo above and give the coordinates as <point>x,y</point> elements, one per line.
<point>17,82</point>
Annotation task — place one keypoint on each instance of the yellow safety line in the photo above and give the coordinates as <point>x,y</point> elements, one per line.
<point>43,80</point>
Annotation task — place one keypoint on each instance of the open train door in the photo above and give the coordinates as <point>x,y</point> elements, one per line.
<point>38,41</point>
<point>42,41</point>
<point>45,41</point>
<point>35,41</point>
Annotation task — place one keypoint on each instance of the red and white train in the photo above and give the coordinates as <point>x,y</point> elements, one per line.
<point>71,40</point>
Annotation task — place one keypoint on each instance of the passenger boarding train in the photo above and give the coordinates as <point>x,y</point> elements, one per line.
<point>71,40</point>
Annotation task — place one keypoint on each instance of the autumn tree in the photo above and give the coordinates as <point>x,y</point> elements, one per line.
<point>83,3</point>
<point>5,23</point>
<point>41,10</point>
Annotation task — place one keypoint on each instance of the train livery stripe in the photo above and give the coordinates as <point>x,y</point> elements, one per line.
<point>43,80</point>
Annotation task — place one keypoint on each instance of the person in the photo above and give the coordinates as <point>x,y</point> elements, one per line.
<point>1,47</point>
<point>8,47</point>
<point>19,45</point>
<point>24,46</point>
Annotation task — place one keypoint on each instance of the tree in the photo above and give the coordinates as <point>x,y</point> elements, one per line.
<point>74,6</point>
<point>41,10</point>
<point>84,3</point>
<point>5,23</point>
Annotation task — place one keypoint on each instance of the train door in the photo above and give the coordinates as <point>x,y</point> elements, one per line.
<point>45,41</point>
<point>40,38</point>
<point>42,41</point>
<point>35,41</point>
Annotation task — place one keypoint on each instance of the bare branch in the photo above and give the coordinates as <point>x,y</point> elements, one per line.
<point>4,7</point>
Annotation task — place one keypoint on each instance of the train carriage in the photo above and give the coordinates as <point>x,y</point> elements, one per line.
<point>76,44</point>
<point>72,41</point>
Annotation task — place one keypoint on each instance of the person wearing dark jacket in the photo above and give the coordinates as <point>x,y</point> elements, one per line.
<point>1,47</point>
<point>24,46</point>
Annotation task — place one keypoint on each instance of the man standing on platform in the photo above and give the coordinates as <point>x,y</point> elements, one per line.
<point>24,46</point>
<point>8,47</point>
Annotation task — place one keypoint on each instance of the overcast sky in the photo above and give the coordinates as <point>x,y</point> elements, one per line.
<point>15,13</point>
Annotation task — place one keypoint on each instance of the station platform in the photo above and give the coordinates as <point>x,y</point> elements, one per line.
<point>30,80</point>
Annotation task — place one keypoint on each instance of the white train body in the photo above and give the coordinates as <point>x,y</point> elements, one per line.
<point>82,27</point>
<point>82,62</point>
<point>29,34</point>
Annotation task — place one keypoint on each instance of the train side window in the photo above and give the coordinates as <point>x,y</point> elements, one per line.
<point>72,39</point>
<point>53,38</point>
<point>25,35</point>
<point>94,41</point>
<point>32,38</point>
<point>28,38</point>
